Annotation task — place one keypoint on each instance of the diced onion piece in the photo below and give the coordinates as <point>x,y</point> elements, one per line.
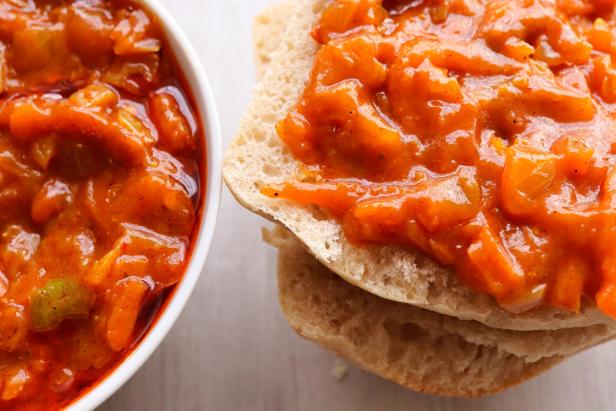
<point>135,74</point>
<point>576,154</point>
<point>18,247</point>
<point>608,201</point>
<point>176,134</point>
<point>443,252</point>
<point>44,150</point>
<point>606,299</point>
<point>138,252</point>
<point>95,95</point>
<point>568,285</point>
<point>142,203</point>
<point>386,212</point>
<point>603,76</point>
<point>497,271</point>
<point>4,284</point>
<point>606,296</point>
<point>30,118</point>
<point>527,301</point>
<point>344,15</point>
<point>459,56</point>
<point>517,49</point>
<point>62,380</point>
<point>600,35</point>
<point>88,29</point>
<point>528,173</point>
<point>37,46</point>
<point>126,305</point>
<point>361,133</point>
<point>608,86</point>
<point>131,125</point>
<point>567,103</point>
<point>132,35</point>
<point>14,384</point>
<point>439,11</point>
<point>13,326</point>
<point>3,68</point>
<point>296,132</point>
<point>448,202</point>
<point>415,232</point>
<point>546,53</point>
<point>435,83</point>
<point>355,57</point>
<point>102,268</point>
<point>53,197</point>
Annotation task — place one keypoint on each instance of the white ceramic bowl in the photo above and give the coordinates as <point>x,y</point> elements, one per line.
<point>196,79</point>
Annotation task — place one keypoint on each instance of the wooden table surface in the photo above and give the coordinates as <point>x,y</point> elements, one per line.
<point>232,349</point>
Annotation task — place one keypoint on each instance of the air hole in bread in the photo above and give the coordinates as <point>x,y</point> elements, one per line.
<point>318,214</point>
<point>269,118</point>
<point>479,353</point>
<point>334,324</point>
<point>434,291</point>
<point>270,170</point>
<point>404,331</point>
<point>361,336</point>
<point>318,6</point>
<point>258,135</point>
<point>273,143</point>
<point>560,315</point>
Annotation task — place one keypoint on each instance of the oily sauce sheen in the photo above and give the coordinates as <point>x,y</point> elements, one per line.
<point>480,132</point>
<point>99,191</point>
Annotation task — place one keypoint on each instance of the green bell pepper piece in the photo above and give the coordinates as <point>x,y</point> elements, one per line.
<point>59,300</point>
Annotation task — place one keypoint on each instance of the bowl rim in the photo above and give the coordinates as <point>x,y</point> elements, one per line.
<point>194,73</point>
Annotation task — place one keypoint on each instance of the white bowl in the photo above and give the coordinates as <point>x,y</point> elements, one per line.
<point>189,62</point>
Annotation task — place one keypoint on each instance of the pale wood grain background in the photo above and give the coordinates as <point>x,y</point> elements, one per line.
<point>232,349</point>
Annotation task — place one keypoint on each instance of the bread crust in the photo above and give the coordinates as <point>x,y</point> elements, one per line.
<point>418,349</point>
<point>395,340</point>
<point>257,157</point>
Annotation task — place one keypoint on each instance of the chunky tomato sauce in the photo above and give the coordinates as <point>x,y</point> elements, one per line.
<point>480,132</point>
<point>99,191</point>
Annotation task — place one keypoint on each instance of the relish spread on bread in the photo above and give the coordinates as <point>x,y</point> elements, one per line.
<point>479,132</point>
<point>345,168</point>
<point>414,347</point>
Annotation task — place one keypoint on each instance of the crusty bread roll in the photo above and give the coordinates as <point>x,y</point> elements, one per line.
<point>416,348</point>
<point>257,157</point>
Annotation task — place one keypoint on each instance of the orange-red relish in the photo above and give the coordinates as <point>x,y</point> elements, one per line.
<point>480,132</point>
<point>99,191</point>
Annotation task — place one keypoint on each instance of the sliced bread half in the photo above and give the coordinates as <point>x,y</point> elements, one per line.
<point>257,157</point>
<point>416,348</point>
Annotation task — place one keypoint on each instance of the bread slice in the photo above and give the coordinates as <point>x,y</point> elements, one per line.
<point>416,348</point>
<point>397,340</point>
<point>257,157</point>
<point>268,29</point>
